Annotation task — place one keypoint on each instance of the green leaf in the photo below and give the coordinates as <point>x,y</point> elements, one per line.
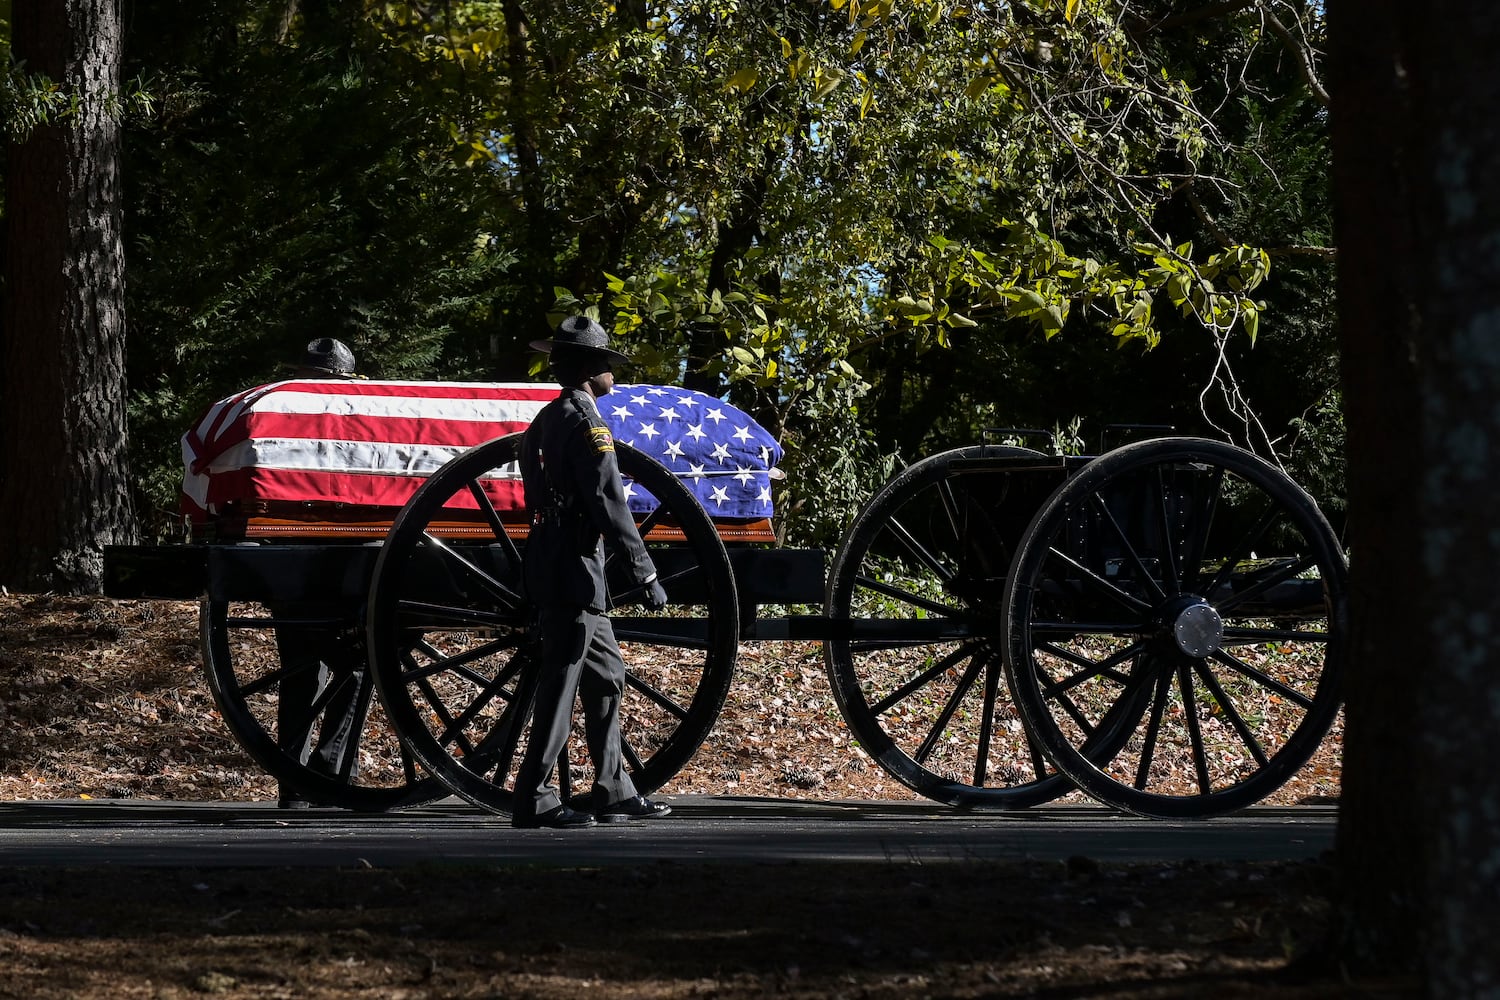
<point>826,81</point>
<point>799,65</point>
<point>1029,301</point>
<point>744,80</point>
<point>1177,289</point>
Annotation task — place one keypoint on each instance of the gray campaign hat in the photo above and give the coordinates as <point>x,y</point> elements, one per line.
<point>326,356</point>
<point>578,334</point>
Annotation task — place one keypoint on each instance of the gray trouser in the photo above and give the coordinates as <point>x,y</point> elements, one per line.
<point>579,654</point>
<point>315,657</point>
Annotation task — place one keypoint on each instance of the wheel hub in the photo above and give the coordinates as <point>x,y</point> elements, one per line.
<point>1197,629</point>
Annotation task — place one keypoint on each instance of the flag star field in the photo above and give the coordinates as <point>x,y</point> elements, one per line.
<point>717,451</point>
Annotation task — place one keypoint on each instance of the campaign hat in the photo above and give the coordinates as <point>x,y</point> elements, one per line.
<point>578,335</point>
<point>326,356</point>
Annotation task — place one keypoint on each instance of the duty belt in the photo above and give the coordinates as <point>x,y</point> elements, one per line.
<point>548,515</point>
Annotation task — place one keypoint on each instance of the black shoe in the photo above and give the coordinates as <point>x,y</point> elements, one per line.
<point>560,818</point>
<point>292,800</point>
<point>636,807</point>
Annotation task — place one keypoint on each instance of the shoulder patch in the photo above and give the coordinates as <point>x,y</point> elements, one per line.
<point>600,440</point>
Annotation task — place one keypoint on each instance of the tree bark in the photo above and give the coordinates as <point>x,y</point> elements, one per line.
<point>1416,150</point>
<point>64,484</point>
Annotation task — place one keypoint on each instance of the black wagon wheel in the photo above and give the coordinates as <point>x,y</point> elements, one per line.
<point>919,674</point>
<point>453,644</point>
<point>292,686</point>
<point>1191,596</point>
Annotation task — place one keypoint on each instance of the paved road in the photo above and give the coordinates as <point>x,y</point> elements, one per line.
<point>702,828</point>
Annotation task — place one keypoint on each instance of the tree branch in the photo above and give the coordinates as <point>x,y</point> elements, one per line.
<point>1301,50</point>
<point>1193,16</point>
<point>1324,253</point>
<point>1298,46</point>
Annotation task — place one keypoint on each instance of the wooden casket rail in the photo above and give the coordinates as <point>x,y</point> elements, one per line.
<point>255,520</point>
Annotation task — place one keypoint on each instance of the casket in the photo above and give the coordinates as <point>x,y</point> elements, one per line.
<point>341,457</point>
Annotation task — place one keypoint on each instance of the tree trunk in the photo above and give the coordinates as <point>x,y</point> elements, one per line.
<point>64,483</point>
<point>1416,153</point>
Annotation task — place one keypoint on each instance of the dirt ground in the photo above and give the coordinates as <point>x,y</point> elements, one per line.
<point>103,698</point>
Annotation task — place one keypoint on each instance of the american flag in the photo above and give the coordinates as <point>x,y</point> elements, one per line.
<point>719,452</point>
<point>373,443</point>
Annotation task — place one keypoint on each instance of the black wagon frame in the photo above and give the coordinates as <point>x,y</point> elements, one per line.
<point>1160,626</point>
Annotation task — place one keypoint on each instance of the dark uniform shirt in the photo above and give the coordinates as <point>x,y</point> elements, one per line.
<point>577,506</point>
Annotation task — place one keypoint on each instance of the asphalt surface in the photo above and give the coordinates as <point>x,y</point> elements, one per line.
<point>139,833</point>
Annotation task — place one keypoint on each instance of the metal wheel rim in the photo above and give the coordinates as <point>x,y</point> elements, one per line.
<point>470,733</point>
<point>1175,665</point>
<point>245,685</point>
<point>940,650</point>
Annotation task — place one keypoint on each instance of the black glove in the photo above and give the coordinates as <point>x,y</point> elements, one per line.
<point>656,597</point>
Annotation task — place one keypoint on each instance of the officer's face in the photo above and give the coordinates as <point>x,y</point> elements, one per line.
<point>601,382</point>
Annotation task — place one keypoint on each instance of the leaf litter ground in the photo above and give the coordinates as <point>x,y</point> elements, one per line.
<point>103,698</point>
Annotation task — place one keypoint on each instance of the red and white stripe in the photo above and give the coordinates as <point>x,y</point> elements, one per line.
<point>356,442</point>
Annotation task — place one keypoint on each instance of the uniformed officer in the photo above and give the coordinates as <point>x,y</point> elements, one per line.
<point>317,655</point>
<point>577,507</point>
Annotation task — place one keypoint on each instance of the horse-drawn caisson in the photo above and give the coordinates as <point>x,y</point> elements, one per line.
<point>1161,626</point>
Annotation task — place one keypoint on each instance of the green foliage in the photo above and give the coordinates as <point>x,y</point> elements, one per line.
<point>1253,194</point>
<point>1316,453</point>
<point>878,226</point>
<point>290,190</point>
<point>29,100</point>
<point>831,474</point>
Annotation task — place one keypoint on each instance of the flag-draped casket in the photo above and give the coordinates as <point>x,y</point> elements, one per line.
<point>342,456</point>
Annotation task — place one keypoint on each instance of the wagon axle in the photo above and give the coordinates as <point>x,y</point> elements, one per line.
<point>1195,628</point>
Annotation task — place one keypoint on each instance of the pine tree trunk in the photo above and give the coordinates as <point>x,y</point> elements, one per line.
<point>63,473</point>
<point>1416,155</point>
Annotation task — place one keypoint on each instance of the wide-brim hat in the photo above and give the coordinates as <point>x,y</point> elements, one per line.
<point>580,334</point>
<point>326,356</point>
